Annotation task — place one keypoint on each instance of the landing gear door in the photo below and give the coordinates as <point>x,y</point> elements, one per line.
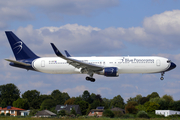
<point>158,62</point>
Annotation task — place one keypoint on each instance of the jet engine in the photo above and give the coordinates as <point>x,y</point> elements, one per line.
<point>109,72</point>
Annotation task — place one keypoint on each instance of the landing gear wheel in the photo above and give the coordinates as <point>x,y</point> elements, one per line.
<point>90,79</point>
<point>162,74</point>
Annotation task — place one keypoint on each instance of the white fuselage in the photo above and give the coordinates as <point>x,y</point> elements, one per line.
<point>136,64</point>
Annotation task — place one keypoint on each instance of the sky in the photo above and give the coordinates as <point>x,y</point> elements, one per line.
<point>93,28</point>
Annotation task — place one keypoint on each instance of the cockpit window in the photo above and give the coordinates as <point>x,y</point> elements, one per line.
<point>168,61</point>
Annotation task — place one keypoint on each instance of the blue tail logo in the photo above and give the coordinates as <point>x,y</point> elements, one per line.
<point>20,50</point>
<point>18,46</point>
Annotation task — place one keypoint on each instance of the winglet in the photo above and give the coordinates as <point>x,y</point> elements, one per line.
<point>67,54</point>
<point>57,52</point>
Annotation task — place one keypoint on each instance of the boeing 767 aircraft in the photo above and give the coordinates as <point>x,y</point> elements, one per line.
<point>107,66</point>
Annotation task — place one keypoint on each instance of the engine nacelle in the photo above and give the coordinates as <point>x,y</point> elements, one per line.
<point>109,72</point>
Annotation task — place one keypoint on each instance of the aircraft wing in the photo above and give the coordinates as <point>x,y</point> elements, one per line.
<point>17,62</point>
<point>77,63</point>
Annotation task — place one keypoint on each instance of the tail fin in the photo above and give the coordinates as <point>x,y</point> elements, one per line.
<point>20,50</point>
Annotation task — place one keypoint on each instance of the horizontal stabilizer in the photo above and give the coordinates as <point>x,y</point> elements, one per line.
<point>16,62</point>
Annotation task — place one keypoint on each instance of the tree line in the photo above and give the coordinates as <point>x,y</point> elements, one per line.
<point>33,100</point>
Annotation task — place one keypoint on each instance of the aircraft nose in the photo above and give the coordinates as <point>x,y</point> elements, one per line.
<point>173,65</point>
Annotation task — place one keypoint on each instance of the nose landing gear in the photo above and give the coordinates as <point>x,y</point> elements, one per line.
<point>162,74</point>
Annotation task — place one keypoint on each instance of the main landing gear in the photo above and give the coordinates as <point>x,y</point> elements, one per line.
<point>162,74</point>
<point>90,79</point>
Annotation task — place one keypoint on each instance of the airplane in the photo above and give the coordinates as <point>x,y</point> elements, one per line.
<point>107,66</point>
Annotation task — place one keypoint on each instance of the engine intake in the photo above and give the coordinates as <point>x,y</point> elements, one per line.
<point>109,72</point>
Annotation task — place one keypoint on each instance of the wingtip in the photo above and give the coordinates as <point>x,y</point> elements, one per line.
<point>6,59</point>
<point>57,52</point>
<point>67,54</point>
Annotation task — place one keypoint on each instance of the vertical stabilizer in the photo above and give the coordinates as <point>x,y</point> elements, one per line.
<point>20,50</point>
